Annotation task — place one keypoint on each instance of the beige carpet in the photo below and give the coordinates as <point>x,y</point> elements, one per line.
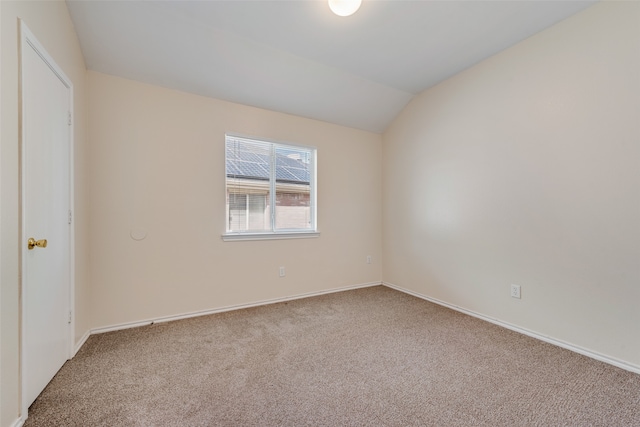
<point>368,357</point>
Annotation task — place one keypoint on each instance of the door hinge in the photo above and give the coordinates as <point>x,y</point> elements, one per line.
<point>69,118</point>
<point>70,217</point>
<point>70,314</point>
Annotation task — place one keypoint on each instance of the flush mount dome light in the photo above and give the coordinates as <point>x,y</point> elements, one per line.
<point>344,7</point>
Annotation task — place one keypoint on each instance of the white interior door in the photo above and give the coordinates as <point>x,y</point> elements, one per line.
<point>46,106</point>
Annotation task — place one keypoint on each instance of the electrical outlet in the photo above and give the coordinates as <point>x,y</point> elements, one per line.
<point>281,271</point>
<point>368,259</point>
<point>515,291</point>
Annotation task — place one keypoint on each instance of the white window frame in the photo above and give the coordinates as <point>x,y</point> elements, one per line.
<point>274,233</point>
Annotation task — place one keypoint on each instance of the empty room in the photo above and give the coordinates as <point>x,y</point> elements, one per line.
<point>319,212</point>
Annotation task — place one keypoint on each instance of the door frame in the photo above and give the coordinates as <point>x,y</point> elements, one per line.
<point>28,40</point>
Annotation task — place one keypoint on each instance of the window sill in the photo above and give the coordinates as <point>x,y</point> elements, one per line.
<point>270,236</point>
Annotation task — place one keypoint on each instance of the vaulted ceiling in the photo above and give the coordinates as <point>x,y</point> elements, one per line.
<point>298,57</point>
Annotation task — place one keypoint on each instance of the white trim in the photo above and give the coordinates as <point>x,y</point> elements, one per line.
<point>227,308</point>
<point>80,343</point>
<point>28,38</point>
<point>270,236</point>
<point>313,191</point>
<point>560,343</point>
<point>273,176</point>
<point>72,225</point>
<point>19,422</point>
<point>251,138</point>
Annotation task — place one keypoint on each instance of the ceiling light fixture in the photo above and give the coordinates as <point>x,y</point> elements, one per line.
<point>344,7</point>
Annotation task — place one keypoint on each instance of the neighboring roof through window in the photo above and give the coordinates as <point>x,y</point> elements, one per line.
<point>291,166</point>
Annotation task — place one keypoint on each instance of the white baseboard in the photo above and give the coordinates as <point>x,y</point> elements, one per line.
<point>223,309</point>
<point>80,343</point>
<point>577,349</point>
<point>18,423</point>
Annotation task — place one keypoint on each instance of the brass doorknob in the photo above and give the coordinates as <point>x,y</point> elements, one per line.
<point>32,243</point>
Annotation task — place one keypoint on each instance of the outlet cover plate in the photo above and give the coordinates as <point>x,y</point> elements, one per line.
<point>515,291</point>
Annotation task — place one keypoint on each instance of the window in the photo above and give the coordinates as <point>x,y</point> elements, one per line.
<point>270,189</point>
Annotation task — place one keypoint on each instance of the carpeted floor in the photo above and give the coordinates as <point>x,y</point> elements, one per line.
<point>368,357</point>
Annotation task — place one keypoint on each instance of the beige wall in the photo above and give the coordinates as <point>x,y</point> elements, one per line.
<point>51,24</point>
<point>157,165</point>
<point>525,169</point>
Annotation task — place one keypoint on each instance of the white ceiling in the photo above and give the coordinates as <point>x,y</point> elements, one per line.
<point>297,57</point>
